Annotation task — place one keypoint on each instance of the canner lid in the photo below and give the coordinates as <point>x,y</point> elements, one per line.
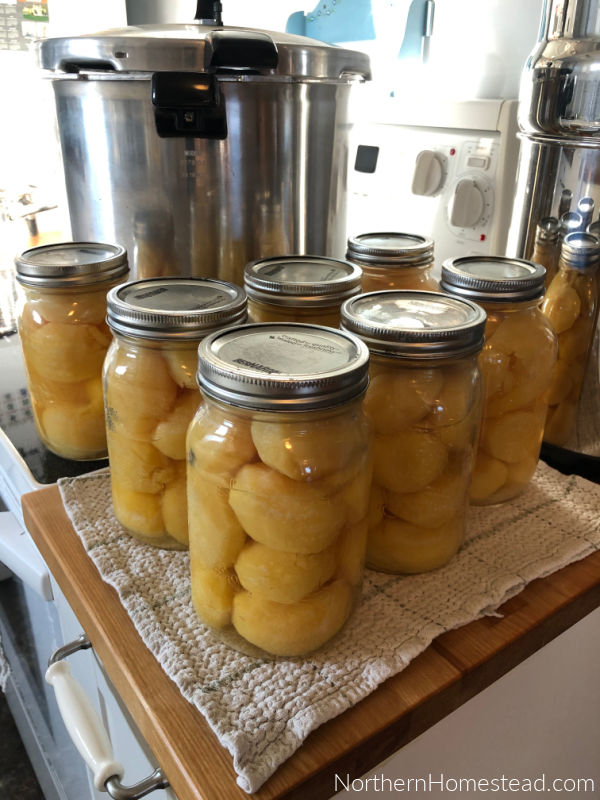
<point>229,51</point>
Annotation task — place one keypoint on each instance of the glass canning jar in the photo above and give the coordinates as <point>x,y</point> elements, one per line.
<point>65,337</point>
<point>151,395</point>
<point>546,247</point>
<point>516,363</point>
<point>393,261</point>
<point>571,305</point>
<point>279,469</point>
<point>308,289</point>
<point>424,402</point>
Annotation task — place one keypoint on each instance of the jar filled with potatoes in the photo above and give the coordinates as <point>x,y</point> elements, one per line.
<point>393,261</point>
<point>65,337</point>
<point>571,305</point>
<point>299,288</point>
<point>517,363</point>
<point>279,470</point>
<point>424,403</point>
<point>151,396</point>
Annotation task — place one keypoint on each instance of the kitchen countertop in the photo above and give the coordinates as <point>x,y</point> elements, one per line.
<point>456,666</point>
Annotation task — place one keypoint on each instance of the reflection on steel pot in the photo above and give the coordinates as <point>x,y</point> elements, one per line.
<point>200,147</point>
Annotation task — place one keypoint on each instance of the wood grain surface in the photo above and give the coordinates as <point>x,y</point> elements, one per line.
<point>453,669</point>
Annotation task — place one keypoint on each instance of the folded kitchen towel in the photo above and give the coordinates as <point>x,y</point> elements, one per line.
<point>262,710</point>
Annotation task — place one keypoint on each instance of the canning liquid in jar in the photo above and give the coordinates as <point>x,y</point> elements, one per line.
<point>65,337</point>
<point>298,288</point>
<point>571,305</point>
<point>151,395</point>
<point>546,247</point>
<point>393,261</point>
<point>424,402</point>
<point>279,469</point>
<point>516,363</point>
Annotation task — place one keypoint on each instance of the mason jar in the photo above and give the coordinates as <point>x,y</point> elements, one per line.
<point>516,363</point>
<point>571,305</point>
<point>307,289</point>
<point>65,337</point>
<point>424,402</point>
<point>279,469</point>
<point>151,395</point>
<point>393,261</point>
<point>546,248</point>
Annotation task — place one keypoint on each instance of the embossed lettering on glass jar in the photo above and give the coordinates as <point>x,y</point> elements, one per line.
<point>151,395</point>
<point>65,338</point>
<point>424,401</point>
<point>393,261</point>
<point>307,289</point>
<point>517,363</point>
<point>571,305</point>
<point>279,469</point>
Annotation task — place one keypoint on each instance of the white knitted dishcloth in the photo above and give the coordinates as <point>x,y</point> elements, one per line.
<point>262,711</point>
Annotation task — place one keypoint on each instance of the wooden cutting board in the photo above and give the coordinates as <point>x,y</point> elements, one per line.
<point>453,669</point>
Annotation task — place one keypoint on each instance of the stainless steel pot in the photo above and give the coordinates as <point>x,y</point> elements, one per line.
<point>559,171</point>
<point>201,147</point>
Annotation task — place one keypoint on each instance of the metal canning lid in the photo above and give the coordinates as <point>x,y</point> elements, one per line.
<point>415,324</point>
<point>580,250</point>
<point>493,278</point>
<point>391,249</point>
<point>283,367</point>
<point>174,308</point>
<point>301,280</point>
<point>547,230</point>
<point>71,264</point>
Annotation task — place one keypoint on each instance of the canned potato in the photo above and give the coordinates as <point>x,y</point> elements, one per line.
<point>65,338</point>
<point>277,494</point>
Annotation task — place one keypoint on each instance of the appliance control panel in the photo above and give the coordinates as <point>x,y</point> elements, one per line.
<point>453,184</point>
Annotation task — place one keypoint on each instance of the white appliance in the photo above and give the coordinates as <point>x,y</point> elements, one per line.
<point>445,170</point>
<point>35,618</point>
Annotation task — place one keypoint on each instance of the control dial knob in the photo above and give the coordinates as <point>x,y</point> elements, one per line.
<point>428,177</point>
<point>467,203</point>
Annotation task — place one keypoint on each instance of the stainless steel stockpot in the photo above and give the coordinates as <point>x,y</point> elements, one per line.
<point>200,147</point>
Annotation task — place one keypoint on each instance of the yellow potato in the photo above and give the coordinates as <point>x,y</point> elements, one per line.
<point>216,536</point>
<point>212,594</point>
<point>174,508</point>
<point>562,382</point>
<point>562,306</point>
<point>352,546</point>
<point>183,365</point>
<point>312,449</point>
<point>46,391</point>
<point>284,577</point>
<point>138,465</point>
<point>488,476</point>
<point>456,397</point>
<point>434,505</point>
<point>462,436</point>
<point>66,353</point>
<point>219,446</point>
<point>520,473</point>
<point>354,495</point>
<point>56,306</point>
<point>282,513</point>
<point>399,398</point>
<point>560,423</point>
<point>139,390</point>
<point>574,343</point>
<point>408,460</point>
<point>76,432</point>
<point>139,512</point>
<point>169,435</point>
<point>397,546</point>
<point>376,505</point>
<point>292,629</point>
<point>498,377</point>
<point>513,437</point>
